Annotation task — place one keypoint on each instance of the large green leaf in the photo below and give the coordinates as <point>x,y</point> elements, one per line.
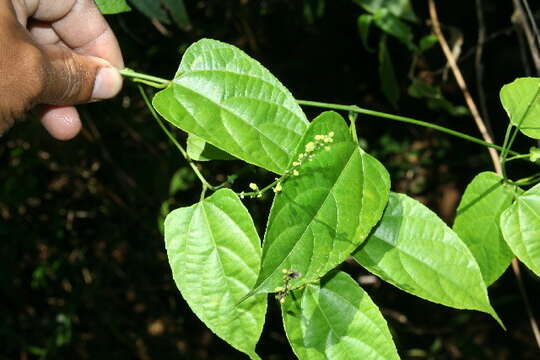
<point>231,101</point>
<point>477,223</point>
<point>214,252</point>
<point>413,249</point>
<point>336,320</point>
<point>108,7</point>
<point>322,215</point>
<point>521,100</point>
<point>399,8</point>
<point>520,225</point>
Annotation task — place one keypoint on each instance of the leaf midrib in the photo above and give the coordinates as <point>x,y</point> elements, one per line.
<point>329,323</point>
<point>330,192</point>
<point>261,133</point>
<point>282,90</point>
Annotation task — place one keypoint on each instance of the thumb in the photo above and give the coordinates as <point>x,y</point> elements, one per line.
<point>71,78</point>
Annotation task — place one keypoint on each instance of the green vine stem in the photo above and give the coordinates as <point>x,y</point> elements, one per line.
<point>528,180</point>
<point>160,83</point>
<point>522,156</point>
<point>506,148</point>
<point>146,79</point>
<point>353,111</point>
<point>359,110</point>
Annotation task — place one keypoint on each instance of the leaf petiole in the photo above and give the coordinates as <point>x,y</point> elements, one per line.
<point>146,79</point>
<point>522,156</point>
<point>205,183</point>
<point>531,180</point>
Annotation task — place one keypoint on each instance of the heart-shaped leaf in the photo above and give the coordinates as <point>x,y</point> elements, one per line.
<point>477,223</point>
<point>214,252</point>
<point>322,214</point>
<point>520,225</point>
<point>413,249</point>
<point>336,320</point>
<point>521,100</point>
<point>231,101</point>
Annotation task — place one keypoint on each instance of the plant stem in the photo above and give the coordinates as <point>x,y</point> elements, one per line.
<point>264,189</point>
<point>352,119</point>
<point>518,157</point>
<point>206,184</point>
<point>480,123</point>
<point>158,82</point>
<point>505,148</point>
<point>359,110</point>
<point>150,80</point>
<point>528,180</point>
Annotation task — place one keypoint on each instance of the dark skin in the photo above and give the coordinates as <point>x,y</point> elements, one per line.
<point>55,53</point>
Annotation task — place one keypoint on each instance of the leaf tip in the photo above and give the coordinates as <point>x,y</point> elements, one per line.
<point>495,316</point>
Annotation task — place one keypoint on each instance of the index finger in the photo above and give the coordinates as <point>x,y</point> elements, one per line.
<point>80,25</point>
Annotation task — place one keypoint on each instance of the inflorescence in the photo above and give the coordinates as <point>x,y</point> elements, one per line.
<point>319,142</point>
<point>283,291</point>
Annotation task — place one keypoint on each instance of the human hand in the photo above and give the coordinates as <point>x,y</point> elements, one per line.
<point>59,53</point>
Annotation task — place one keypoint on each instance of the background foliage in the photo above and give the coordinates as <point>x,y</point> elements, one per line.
<point>83,272</point>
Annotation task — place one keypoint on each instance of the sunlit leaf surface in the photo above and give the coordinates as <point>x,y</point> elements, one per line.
<point>326,211</point>
<point>231,101</point>
<point>214,253</point>
<point>520,225</point>
<point>336,320</point>
<point>413,249</point>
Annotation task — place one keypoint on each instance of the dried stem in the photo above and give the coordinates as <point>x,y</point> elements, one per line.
<point>478,64</point>
<point>523,291</point>
<point>533,45</point>
<point>463,86</point>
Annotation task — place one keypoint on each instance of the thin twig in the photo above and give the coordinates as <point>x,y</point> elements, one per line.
<point>463,86</point>
<point>523,50</point>
<point>204,182</point>
<point>522,20</point>
<point>532,21</point>
<point>523,291</point>
<point>478,63</point>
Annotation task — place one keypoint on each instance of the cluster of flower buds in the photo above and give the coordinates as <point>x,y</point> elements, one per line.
<point>319,142</point>
<point>255,188</point>
<point>283,291</point>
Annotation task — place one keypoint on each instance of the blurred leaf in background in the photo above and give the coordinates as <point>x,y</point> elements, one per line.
<point>164,10</point>
<point>109,7</point>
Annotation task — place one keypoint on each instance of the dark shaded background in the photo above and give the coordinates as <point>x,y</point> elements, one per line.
<point>83,273</point>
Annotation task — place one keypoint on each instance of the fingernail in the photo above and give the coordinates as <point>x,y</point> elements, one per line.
<point>107,84</point>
